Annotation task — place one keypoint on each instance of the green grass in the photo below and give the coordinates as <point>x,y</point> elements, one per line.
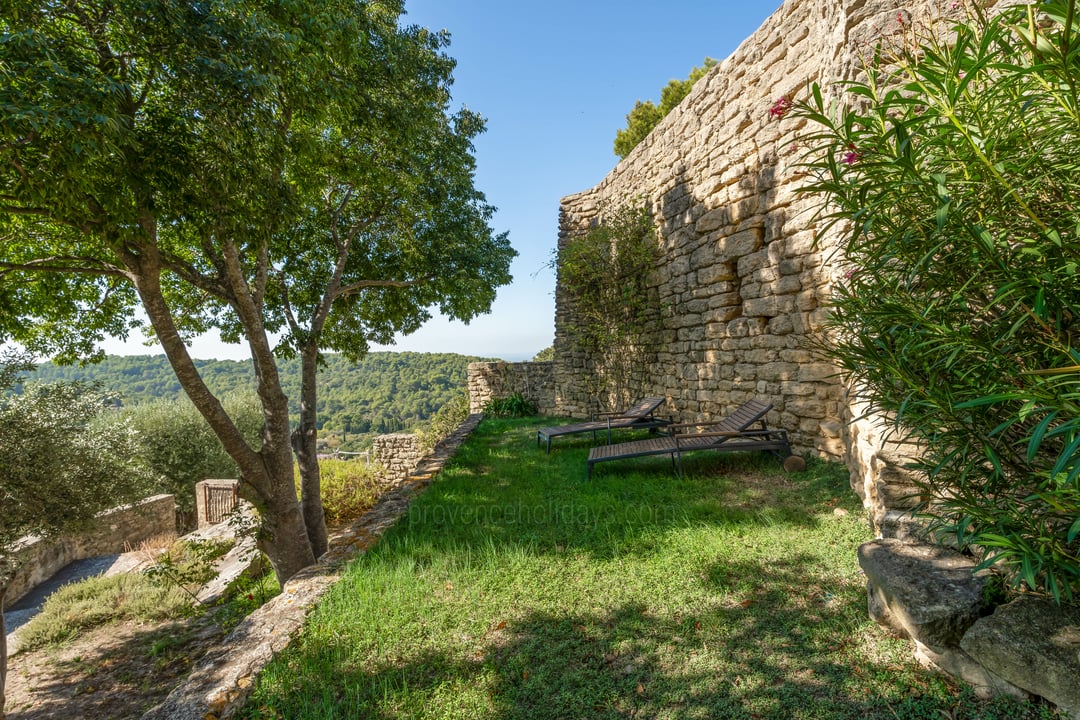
<point>514,588</point>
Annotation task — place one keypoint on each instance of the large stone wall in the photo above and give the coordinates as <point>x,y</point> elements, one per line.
<point>115,531</point>
<point>743,279</point>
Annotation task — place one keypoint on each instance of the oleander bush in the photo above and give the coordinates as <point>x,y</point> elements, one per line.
<point>950,173</point>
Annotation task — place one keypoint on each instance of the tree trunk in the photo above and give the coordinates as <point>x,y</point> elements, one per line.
<point>3,650</point>
<point>304,445</point>
<point>269,471</point>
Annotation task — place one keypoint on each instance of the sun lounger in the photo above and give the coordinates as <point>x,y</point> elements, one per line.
<point>734,433</point>
<point>640,415</point>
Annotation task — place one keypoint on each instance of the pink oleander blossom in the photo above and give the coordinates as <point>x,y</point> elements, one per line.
<point>851,156</point>
<point>780,108</point>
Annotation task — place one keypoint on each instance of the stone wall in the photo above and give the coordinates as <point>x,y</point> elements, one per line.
<point>117,530</point>
<point>398,454</point>
<point>743,278</point>
<point>490,380</point>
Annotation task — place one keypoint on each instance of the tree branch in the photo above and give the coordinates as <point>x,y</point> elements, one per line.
<point>64,264</point>
<point>353,288</point>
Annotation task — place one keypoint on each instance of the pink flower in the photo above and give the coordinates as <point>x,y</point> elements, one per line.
<point>900,17</point>
<point>780,108</point>
<point>954,6</point>
<point>851,156</point>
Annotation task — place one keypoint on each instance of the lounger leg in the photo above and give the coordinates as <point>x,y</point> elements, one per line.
<point>679,456</point>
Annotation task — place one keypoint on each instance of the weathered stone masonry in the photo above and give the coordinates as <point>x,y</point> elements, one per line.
<point>742,282</point>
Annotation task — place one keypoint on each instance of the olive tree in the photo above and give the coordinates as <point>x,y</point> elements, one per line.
<point>61,463</point>
<point>271,170</point>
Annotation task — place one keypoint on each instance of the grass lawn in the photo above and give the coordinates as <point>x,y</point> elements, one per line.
<point>514,588</point>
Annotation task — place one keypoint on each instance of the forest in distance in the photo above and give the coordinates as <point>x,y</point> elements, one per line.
<point>384,392</point>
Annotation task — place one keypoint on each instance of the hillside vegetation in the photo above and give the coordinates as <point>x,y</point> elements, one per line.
<point>384,392</point>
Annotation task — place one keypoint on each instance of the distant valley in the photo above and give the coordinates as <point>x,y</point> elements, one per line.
<point>385,392</point>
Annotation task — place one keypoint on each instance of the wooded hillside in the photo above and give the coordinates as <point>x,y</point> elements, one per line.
<point>384,392</point>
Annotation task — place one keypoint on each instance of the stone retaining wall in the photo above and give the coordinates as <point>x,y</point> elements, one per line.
<point>116,531</point>
<point>490,380</point>
<point>398,454</point>
<point>218,685</point>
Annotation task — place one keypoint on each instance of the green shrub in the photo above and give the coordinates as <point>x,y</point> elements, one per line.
<point>349,488</point>
<point>606,275</point>
<point>950,172</point>
<point>445,421</point>
<point>97,601</point>
<point>514,405</point>
<point>177,444</point>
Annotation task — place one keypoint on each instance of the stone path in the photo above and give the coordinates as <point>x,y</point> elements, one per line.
<point>219,684</point>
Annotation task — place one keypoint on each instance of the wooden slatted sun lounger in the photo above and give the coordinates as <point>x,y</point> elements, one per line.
<point>733,433</point>
<point>639,416</point>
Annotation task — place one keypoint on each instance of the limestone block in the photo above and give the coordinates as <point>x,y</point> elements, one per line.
<point>959,664</point>
<point>1033,644</point>
<point>922,591</point>
<point>797,356</point>
<point>716,273</point>
<point>751,262</point>
<point>797,389</point>
<point>779,372</point>
<point>787,284</point>
<point>811,408</point>
<point>781,325</point>
<point>769,306</point>
<point>817,372</point>
<point>742,243</point>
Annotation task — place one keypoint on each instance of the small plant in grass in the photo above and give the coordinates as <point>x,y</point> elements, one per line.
<point>245,595</point>
<point>949,175</point>
<point>514,405</point>
<point>188,564</point>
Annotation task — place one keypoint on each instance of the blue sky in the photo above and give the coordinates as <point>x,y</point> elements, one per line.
<point>554,80</point>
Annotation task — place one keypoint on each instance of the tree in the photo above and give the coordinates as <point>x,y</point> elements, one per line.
<point>253,167</point>
<point>60,465</point>
<point>646,115</point>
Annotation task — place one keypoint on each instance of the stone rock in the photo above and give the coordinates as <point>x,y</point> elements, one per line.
<point>1033,644</point>
<point>922,591</point>
<point>959,664</point>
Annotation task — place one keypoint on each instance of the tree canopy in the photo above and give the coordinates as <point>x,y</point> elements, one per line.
<point>646,115</point>
<point>282,169</point>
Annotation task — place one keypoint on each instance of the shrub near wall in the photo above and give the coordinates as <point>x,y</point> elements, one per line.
<point>954,203</point>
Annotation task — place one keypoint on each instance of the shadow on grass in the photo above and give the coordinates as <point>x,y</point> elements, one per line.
<point>512,611</point>
<point>116,671</point>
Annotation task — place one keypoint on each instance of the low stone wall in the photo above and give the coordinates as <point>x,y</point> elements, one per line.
<point>398,454</point>
<point>117,530</point>
<point>490,380</point>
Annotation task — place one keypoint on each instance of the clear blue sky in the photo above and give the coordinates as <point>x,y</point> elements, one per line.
<point>554,80</point>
